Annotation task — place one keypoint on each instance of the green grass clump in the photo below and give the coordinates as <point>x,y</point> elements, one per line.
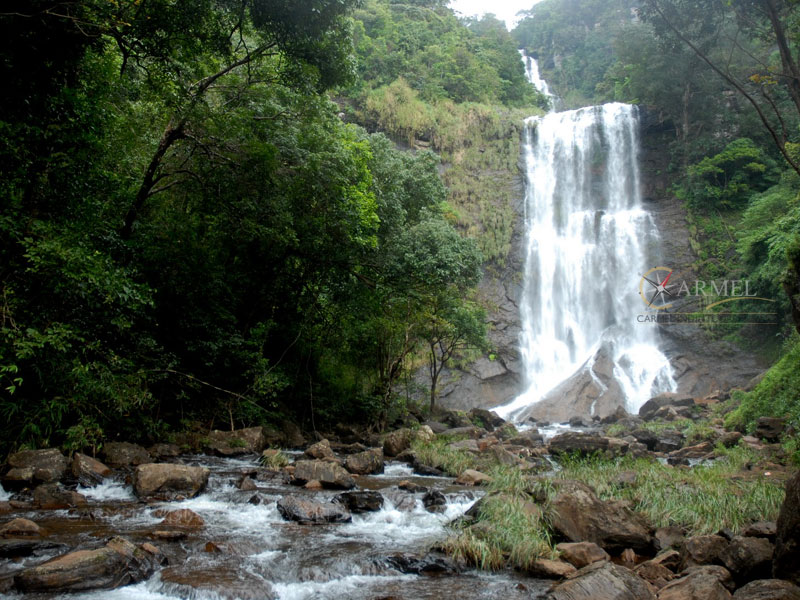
<point>439,454</point>
<point>777,395</point>
<point>273,459</point>
<point>704,499</point>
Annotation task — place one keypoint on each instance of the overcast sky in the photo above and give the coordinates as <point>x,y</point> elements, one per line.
<point>505,10</point>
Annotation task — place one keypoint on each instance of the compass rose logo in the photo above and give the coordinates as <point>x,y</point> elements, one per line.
<point>654,288</point>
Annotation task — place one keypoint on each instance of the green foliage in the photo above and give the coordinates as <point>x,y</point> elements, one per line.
<point>439,454</point>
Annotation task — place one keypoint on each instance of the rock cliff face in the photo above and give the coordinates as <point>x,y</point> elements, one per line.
<point>700,365</point>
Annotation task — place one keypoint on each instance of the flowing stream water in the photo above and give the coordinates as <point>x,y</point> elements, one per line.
<point>588,243</point>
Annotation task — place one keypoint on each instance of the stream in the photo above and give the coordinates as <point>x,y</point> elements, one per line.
<point>248,551</point>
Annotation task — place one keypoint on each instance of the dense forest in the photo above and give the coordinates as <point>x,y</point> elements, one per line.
<point>226,212</point>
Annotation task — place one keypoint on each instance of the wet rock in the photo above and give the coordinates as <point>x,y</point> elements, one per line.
<point>654,573</point>
<point>237,442</point>
<point>364,463</point>
<point>581,554</point>
<point>577,515</point>
<point>19,547</point>
<point>412,487</point>
<point>329,474</point>
<point>699,584</point>
<point>359,502</point>
<point>247,484</point>
<point>20,528</point>
<point>434,501</point>
<point>669,537</point>
<point>88,471</point>
<point>53,496</point>
<point>117,563</point>
<point>748,558</point>
<point>603,581</point>
<point>183,519</point>
<point>35,466</point>
<point>125,454</point>
<point>703,550</point>
<point>423,469</point>
<point>768,589</point>
<point>396,442</point>
<point>320,451</point>
<point>429,564</point>
<point>763,529</point>
<point>650,408</point>
<point>170,535</point>
<point>770,428</point>
<point>168,481</point>
<point>303,510</point>
<point>472,477</point>
<point>551,569</point>
<point>787,540</point>
<point>314,484</point>
<point>218,582</point>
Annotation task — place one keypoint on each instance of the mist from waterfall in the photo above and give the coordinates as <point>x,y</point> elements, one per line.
<point>588,242</point>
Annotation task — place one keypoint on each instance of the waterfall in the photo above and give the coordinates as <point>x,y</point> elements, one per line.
<point>588,243</point>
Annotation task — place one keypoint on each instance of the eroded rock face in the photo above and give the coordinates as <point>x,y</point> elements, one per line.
<point>787,541</point>
<point>304,510</point>
<point>239,441</point>
<point>329,474</point>
<point>125,454</point>
<point>88,471</point>
<point>117,563</point>
<point>169,482</point>
<point>35,466</point>
<point>603,581</point>
<point>579,516</point>
<point>367,462</point>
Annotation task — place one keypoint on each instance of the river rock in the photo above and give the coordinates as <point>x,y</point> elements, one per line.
<point>303,510</point>
<point>581,554</point>
<point>787,539</point>
<point>472,477</point>
<point>579,516</point>
<point>703,550</point>
<point>125,454</point>
<point>359,502</point>
<point>770,428</point>
<point>237,442</point>
<point>20,528</point>
<point>434,501</point>
<point>88,471</point>
<point>430,564</point>
<point>365,463</point>
<point>320,451</point>
<point>703,583</point>
<point>220,582</point>
<point>396,442</point>
<point>183,519</point>
<point>164,481</point>
<point>551,569</point>
<point>603,581</point>
<point>768,589</point>
<point>329,474</point>
<point>31,466</point>
<point>53,496</point>
<point>649,409</point>
<point>117,563</point>
<point>748,558</point>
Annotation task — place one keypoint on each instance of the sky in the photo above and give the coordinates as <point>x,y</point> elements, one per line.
<point>505,10</point>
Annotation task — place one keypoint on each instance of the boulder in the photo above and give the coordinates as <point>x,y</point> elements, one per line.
<point>489,420</point>
<point>577,515</point>
<point>530,438</point>
<point>303,510</point>
<point>787,539</point>
<point>551,569</point>
<point>770,428</point>
<point>469,431</point>
<point>164,481</point>
<point>699,584</point>
<point>20,528</point>
<point>183,519</point>
<point>237,442</point>
<point>396,442</point>
<point>436,427</point>
<point>359,502</point>
<point>291,436</point>
<point>424,434</point>
<point>669,537</point>
<point>54,496</point>
<point>748,558</point>
<point>320,451</point>
<point>697,451</point>
<point>578,442</point>
<point>603,581</point>
<point>581,554</point>
<point>162,451</point>
<point>117,563</point>
<point>703,550</point>
<point>35,466</point>
<point>429,564</point>
<point>729,439</point>
<point>365,463</point>
<point>764,529</point>
<point>412,487</point>
<point>434,501</point>
<point>671,559</point>
<point>768,589</point>
<point>472,477</point>
<point>88,471</point>
<point>654,573</point>
<point>220,582</point>
<point>247,484</point>
<point>330,475</point>
<point>650,408</point>
<point>125,454</point>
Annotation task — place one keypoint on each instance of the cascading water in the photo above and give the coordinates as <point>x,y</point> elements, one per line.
<point>588,244</point>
